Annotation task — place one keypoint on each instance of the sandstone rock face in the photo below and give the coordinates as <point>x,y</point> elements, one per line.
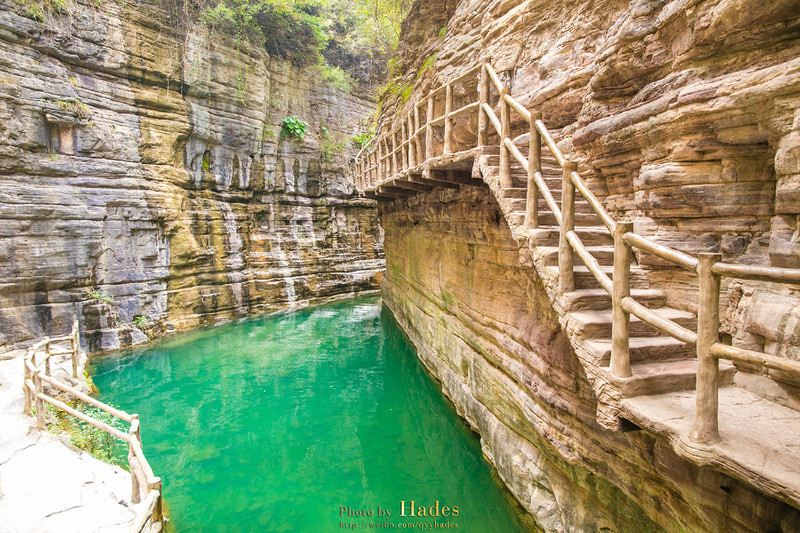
<point>683,117</point>
<point>142,174</point>
<point>484,327</point>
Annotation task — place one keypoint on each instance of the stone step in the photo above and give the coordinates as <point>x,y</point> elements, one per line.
<point>598,299</point>
<point>589,235</point>
<point>584,279</point>
<point>604,254</point>
<point>643,350</point>
<point>597,324</point>
<point>547,218</point>
<point>659,378</point>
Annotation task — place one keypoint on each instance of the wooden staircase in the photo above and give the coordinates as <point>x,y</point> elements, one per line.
<point>651,365</point>
<point>659,363</point>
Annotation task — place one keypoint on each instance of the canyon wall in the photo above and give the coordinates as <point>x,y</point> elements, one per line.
<point>483,325</point>
<point>684,117</point>
<point>145,187</point>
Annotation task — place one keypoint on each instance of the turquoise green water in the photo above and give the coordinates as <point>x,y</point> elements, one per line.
<point>282,423</point>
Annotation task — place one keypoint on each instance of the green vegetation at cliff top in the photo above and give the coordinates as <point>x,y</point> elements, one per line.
<point>340,35</point>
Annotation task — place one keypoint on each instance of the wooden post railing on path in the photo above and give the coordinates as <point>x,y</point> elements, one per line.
<point>620,319</point>
<point>566,278</point>
<point>534,166</point>
<point>483,132</point>
<point>37,372</point>
<point>448,120</point>
<point>706,426</point>
<point>708,267</point>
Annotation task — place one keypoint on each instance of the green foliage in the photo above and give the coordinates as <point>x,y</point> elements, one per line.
<point>74,105</point>
<point>331,144</point>
<point>347,32</point>
<point>293,127</point>
<point>336,77</point>
<point>428,63</point>
<point>285,28</point>
<point>442,33</point>
<point>140,321</point>
<point>94,294</point>
<point>364,138</point>
<point>38,10</point>
<point>97,442</point>
<point>405,93</point>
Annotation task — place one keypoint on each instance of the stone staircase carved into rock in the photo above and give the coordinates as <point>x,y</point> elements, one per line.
<point>651,366</point>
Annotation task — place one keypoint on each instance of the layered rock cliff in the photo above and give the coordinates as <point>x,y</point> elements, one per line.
<point>145,186</point>
<point>683,117</point>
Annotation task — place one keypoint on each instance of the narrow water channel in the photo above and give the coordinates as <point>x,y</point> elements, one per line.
<point>301,421</point>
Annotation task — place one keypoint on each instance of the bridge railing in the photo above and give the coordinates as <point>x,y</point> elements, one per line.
<point>381,166</point>
<point>38,371</point>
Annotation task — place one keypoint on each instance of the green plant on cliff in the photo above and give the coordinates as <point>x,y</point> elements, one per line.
<point>293,127</point>
<point>97,442</point>
<point>364,138</point>
<point>140,321</point>
<point>94,294</point>
<point>38,10</point>
<point>331,144</point>
<point>336,77</point>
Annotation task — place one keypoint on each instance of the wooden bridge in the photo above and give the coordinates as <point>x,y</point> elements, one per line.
<point>651,365</point>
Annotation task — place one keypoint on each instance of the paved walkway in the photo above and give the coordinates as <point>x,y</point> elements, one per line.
<point>47,485</point>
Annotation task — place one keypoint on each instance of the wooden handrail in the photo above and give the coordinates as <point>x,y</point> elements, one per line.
<point>492,118</point>
<point>495,79</point>
<point>708,267</point>
<point>33,390</point>
<point>664,252</point>
<point>758,273</point>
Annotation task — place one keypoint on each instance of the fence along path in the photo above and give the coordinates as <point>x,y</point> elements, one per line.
<point>641,355</point>
<point>37,372</point>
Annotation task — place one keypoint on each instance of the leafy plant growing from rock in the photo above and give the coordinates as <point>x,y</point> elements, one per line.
<point>364,138</point>
<point>97,442</point>
<point>140,321</point>
<point>331,144</point>
<point>293,127</point>
<point>94,294</point>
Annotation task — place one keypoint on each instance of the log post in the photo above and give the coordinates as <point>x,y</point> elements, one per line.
<point>706,422</point>
<point>26,375</point>
<point>566,278</point>
<point>135,468</point>
<point>620,336</point>
<point>74,347</point>
<point>505,133</point>
<point>448,120</point>
<point>429,130</point>
<point>394,169</point>
<point>47,355</point>
<point>417,142</point>
<point>378,162</point>
<point>158,512</point>
<point>403,152</point>
<point>411,150</point>
<point>534,166</point>
<point>37,383</point>
<point>483,133</point>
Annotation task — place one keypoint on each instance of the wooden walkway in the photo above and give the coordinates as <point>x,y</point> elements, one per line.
<point>651,365</point>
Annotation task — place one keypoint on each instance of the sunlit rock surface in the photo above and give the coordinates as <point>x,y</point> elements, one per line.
<point>144,164</point>
<point>683,118</point>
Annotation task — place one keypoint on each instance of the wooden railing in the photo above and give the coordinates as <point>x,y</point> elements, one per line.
<point>37,371</point>
<point>380,166</point>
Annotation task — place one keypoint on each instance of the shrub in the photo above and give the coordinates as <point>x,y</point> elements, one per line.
<point>364,138</point>
<point>336,77</point>
<point>293,127</point>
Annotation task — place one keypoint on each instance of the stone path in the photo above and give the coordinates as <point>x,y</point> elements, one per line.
<point>47,485</point>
